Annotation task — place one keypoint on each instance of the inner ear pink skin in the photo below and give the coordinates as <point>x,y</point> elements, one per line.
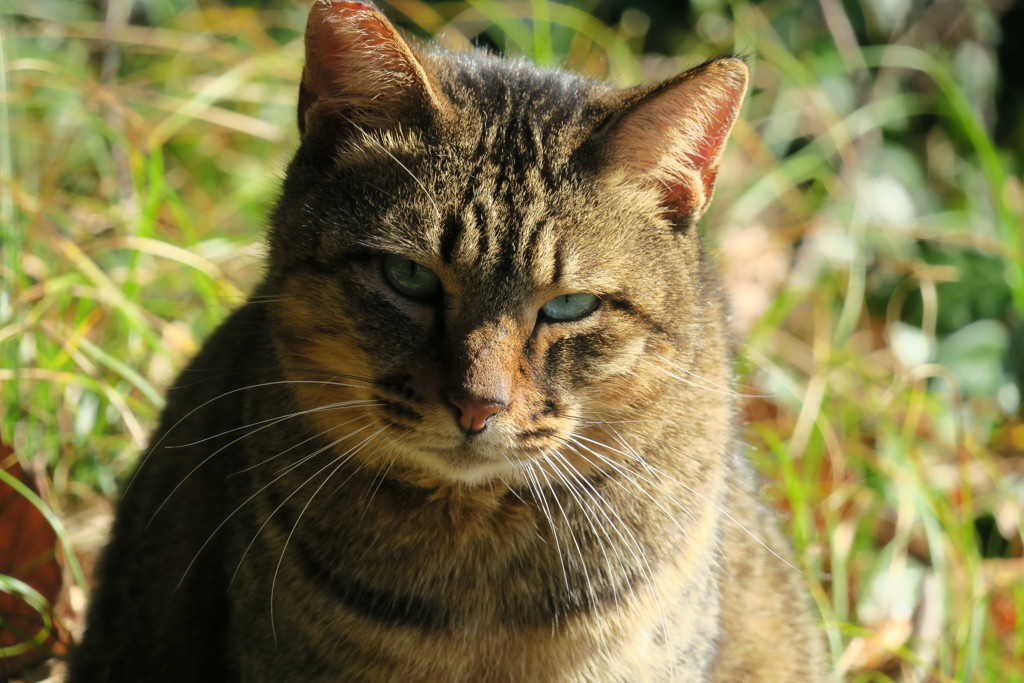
<point>675,136</point>
<point>358,65</point>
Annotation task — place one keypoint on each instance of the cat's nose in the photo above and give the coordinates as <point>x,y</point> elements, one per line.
<point>474,413</point>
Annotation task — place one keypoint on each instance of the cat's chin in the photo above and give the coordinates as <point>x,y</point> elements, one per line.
<point>462,465</point>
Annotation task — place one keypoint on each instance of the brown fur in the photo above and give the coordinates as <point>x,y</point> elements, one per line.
<point>311,508</point>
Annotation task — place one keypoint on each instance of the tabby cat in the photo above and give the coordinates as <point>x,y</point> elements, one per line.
<point>476,423</point>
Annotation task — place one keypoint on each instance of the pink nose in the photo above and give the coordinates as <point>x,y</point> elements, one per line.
<point>474,413</point>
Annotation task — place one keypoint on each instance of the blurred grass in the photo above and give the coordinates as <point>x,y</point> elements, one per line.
<point>869,223</point>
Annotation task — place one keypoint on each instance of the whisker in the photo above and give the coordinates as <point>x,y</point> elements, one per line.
<point>380,481</point>
<point>722,511</point>
<point>394,458</point>
<point>663,445</point>
<point>293,447</point>
<point>622,530</point>
<point>261,385</point>
<point>244,503</point>
<point>340,460</point>
<point>619,525</point>
<point>575,542</point>
<point>569,480</point>
<point>293,466</point>
<point>218,451</point>
<point>372,140</point>
<point>534,484</point>
<point>708,385</point>
<point>598,532</point>
<point>331,373</point>
<point>631,477</point>
<point>281,418</point>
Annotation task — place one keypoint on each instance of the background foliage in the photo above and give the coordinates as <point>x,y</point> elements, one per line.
<point>869,221</point>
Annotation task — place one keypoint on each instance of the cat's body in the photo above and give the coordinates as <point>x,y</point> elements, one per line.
<point>518,465</point>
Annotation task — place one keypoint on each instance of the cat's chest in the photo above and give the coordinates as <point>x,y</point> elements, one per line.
<point>402,555</point>
<point>455,588</point>
<point>498,631</point>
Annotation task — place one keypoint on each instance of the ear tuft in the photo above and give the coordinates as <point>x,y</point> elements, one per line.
<point>673,136</point>
<point>359,71</point>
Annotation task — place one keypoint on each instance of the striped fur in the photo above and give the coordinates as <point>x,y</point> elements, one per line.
<point>311,510</point>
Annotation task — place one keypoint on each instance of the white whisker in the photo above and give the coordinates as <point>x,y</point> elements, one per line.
<point>202,405</point>
<point>225,446</point>
<point>280,418</point>
<point>722,511</point>
<point>340,460</point>
<point>245,502</point>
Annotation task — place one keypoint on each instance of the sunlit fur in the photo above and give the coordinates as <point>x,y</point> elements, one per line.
<point>311,510</point>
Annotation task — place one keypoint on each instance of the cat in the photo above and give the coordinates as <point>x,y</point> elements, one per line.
<point>476,423</point>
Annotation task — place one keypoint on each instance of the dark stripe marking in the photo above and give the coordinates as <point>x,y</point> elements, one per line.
<point>482,229</point>
<point>559,265</point>
<point>631,310</point>
<point>537,433</point>
<point>399,409</point>
<point>532,243</point>
<point>450,233</point>
<point>391,608</point>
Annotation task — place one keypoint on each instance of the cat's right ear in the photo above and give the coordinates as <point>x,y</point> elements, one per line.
<point>360,74</point>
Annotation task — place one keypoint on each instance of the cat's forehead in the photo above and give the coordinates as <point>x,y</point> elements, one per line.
<point>493,226</point>
<point>519,114</point>
<point>506,213</point>
<point>506,191</point>
<point>497,87</point>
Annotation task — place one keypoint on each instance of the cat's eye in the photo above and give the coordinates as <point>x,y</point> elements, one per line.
<point>410,278</point>
<point>570,306</point>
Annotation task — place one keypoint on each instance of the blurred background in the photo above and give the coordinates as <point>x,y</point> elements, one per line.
<point>869,220</point>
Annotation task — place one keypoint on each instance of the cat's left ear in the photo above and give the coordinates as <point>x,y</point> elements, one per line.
<point>672,136</point>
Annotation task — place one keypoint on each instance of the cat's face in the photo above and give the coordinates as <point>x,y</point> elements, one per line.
<point>473,275</point>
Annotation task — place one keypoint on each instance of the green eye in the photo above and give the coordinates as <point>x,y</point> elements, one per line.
<point>410,278</point>
<point>570,306</point>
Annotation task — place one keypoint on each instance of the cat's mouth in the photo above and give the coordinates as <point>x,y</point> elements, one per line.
<point>470,460</point>
<point>466,440</point>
